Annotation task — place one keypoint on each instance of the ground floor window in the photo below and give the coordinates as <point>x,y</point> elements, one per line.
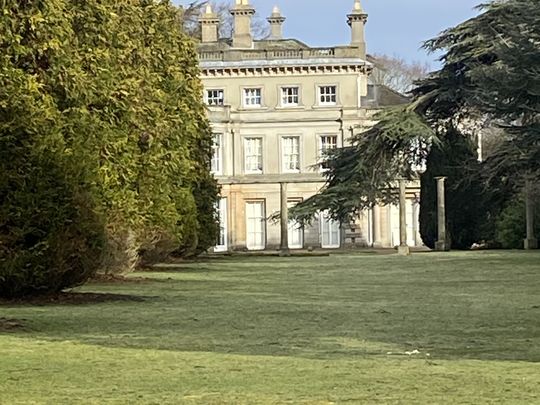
<point>295,231</point>
<point>222,244</point>
<point>255,225</point>
<point>330,232</point>
<point>413,235</point>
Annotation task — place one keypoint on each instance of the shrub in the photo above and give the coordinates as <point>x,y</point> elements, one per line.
<point>50,236</point>
<point>510,230</point>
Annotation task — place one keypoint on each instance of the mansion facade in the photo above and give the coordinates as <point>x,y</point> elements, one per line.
<point>275,106</point>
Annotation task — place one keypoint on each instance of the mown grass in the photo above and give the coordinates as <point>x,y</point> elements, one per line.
<point>290,330</point>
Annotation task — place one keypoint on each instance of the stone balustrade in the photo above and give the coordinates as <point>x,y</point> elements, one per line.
<point>274,54</point>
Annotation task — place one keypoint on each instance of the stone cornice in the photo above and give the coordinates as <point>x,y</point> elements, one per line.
<point>244,12</point>
<point>357,17</point>
<point>284,68</point>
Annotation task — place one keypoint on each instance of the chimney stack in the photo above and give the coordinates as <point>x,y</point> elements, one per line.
<point>209,22</point>
<point>357,21</point>
<point>276,21</point>
<point>242,13</point>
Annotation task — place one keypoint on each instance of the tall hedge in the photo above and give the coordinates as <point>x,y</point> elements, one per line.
<point>103,136</point>
<point>151,135</point>
<point>51,229</point>
<point>466,213</point>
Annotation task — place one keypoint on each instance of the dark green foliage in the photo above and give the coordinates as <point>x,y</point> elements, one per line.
<point>490,72</point>
<point>510,225</point>
<point>492,67</point>
<point>357,176</point>
<point>51,235</point>
<point>455,158</point>
<point>208,222</point>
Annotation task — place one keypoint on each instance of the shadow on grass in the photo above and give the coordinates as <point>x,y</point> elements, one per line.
<point>73,298</point>
<point>346,307</point>
<point>11,325</point>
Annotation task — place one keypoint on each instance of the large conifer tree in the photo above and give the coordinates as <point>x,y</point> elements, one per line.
<point>490,68</point>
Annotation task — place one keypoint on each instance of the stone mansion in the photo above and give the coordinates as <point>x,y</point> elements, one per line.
<point>275,106</point>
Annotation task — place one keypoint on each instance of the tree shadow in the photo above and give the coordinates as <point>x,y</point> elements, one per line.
<point>11,325</point>
<point>73,298</point>
<point>452,312</point>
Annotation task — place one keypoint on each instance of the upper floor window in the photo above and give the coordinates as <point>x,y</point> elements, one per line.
<point>252,97</point>
<point>326,143</point>
<point>327,95</point>
<point>289,96</point>
<point>215,97</point>
<point>253,162</point>
<point>217,154</point>
<point>291,153</point>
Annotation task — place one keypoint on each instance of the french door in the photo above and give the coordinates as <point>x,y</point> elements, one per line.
<point>222,244</point>
<point>255,225</point>
<point>296,233</point>
<point>330,232</point>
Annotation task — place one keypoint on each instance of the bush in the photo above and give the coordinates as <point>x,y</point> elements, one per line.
<point>51,234</point>
<point>510,228</point>
<point>50,237</point>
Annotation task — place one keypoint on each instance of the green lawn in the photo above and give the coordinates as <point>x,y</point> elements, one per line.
<point>270,330</point>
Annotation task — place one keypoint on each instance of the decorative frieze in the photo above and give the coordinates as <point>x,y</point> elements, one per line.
<point>291,70</point>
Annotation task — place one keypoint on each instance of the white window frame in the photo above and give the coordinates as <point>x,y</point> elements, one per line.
<point>216,165</point>
<point>252,97</point>
<point>331,227</point>
<point>294,228</point>
<point>253,159</point>
<point>325,96</point>
<point>222,242</point>
<point>290,153</point>
<point>323,148</point>
<point>290,96</point>
<point>217,99</point>
<point>252,226</point>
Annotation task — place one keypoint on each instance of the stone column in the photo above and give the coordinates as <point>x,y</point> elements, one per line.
<point>416,223</point>
<point>376,215</point>
<point>284,221</point>
<point>442,243</point>
<point>403,248</point>
<point>530,242</point>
